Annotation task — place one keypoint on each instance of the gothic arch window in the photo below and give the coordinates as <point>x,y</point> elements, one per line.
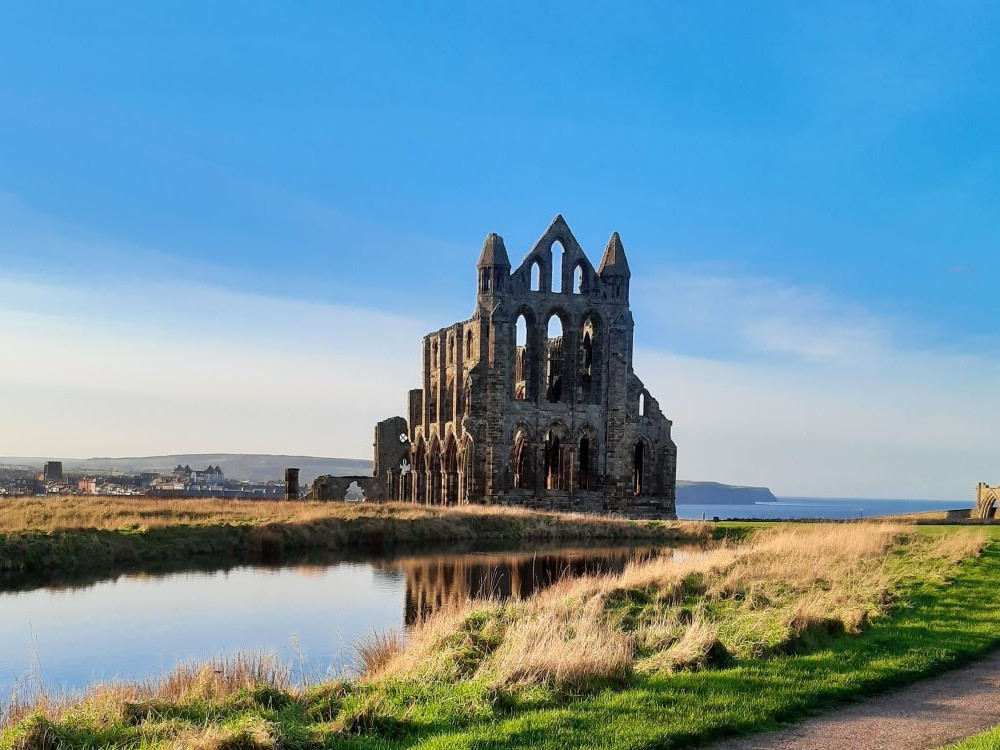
<point>521,463</point>
<point>589,361</point>
<point>536,276</point>
<point>643,404</point>
<point>420,472</point>
<point>584,463</point>
<point>554,359</point>
<point>467,478</point>
<point>554,479</point>
<point>469,340</point>
<point>450,480</point>
<point>522,359</point>
<point>434,352</point>
<point>558,253</point>
<point>434,492</point>
<point>578,279</point>
<point>451,350</point>
<point>639,467</point>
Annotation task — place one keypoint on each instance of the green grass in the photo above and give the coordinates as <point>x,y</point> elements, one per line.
<point>986,741</point>
<point>935,626</point>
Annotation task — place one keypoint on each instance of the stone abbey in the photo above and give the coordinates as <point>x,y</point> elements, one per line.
<point>532,401</point>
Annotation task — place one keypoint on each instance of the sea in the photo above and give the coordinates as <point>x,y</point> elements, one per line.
<point>792,508</point>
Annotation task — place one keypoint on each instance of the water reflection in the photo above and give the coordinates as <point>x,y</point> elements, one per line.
<point>433,582</point>
<point>310,611</point>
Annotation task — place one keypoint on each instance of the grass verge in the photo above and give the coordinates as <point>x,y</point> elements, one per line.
<point>66,534</point>
<point>665,654</point>
<point>986,741</point>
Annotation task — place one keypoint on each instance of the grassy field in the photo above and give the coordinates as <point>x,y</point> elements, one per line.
<point>986,741</point>
<point>64,534</point>
<point>669,653</point>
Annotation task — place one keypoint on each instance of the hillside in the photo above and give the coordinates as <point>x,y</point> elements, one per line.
<point>258,467</point>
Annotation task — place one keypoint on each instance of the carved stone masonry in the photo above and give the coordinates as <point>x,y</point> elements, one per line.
<point>533,401</point>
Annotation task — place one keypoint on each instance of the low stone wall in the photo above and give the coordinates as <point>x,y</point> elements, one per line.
<point>335,488</point>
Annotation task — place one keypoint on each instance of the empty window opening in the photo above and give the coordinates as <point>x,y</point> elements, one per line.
<point>420,468</point>
<point>587,389</point>
<point>434,493</point>
<point>553,360</point>
<point>451,473</point>
<point>536,276</point>
<point>485,280</point>
<point>553,462</point>
<point>578,280</point>
<point>465,494</point>
<point>557,267</point>
<point>451,350</point>
<point>354,493</point>
<point>642,404</point>
<point>637,468</point>
<point>522,366</point>
<point>584,478</point>
<point>469,340</point>
<point>521,462</point>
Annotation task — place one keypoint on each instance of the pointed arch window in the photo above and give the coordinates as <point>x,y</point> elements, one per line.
<point>558,253</point>
<point>554,360</point>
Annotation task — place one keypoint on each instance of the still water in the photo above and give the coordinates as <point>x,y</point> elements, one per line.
<point>817,507</point>
<point>309,615</point>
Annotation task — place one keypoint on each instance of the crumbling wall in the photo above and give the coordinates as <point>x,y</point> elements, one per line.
<point>328,487</point>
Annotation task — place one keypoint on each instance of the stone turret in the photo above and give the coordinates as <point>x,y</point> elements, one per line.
<point>614,270</point>
<point>494,266</point>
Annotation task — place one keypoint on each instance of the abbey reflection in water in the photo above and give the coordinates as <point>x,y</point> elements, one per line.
<point>449,580</point>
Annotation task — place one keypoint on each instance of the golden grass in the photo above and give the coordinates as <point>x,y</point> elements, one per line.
<point>214,681</point>
<point>749,599</point>
<point>117,514</point>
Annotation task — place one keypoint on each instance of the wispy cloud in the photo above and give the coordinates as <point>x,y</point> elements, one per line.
<point>790,387</point>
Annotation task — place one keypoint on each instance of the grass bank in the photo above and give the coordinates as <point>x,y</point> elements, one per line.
<point>69,533</point>
<point>986,741</point>
<point>668,653</point>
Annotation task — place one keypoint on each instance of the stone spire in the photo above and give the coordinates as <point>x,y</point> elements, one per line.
<point>494,253</point>
<point>614,262</point>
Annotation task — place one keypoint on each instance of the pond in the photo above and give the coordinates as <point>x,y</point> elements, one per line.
<point>309,614</point>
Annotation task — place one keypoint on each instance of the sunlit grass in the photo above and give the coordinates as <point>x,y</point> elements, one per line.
<point>669,653</point>
<point>63,534</point>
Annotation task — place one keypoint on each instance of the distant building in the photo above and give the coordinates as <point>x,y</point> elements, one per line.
<point>52,472</point>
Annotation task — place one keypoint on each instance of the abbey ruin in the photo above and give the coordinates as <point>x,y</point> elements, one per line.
<point>533,401</point>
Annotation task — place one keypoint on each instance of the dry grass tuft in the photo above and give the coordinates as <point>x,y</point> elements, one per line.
<point>378,649</point>
<point>697,647</point>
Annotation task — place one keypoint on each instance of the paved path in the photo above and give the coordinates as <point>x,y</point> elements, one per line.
<point>927,714</point>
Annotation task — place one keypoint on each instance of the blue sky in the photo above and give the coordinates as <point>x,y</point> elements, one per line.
<point>808,194</point>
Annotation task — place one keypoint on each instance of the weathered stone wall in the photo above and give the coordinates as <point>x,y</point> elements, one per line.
<point>559,422</point>
<point>335,488</point>
<point>987,499</point>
